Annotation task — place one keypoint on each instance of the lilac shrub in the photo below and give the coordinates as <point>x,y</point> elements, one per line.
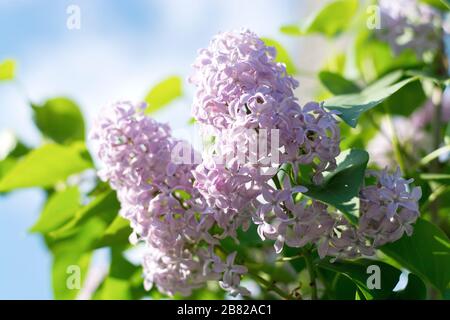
<point>182,211</point>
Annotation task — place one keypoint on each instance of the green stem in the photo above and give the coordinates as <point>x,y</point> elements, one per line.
<point>435,195</point>
<point>395,142</point>
<point>434,155</point>
<point>270,286</point>
<point>328,288</point>
<point>435,165</point>
<point>312,274</point>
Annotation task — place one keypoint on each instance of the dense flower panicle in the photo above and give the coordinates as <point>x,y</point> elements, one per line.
<point>136,152</point>
<point>312,222</point>
<point>183,270</point>
<point>410,24</point>
<point>388,208</point>
<point>235,67</point>
<point>158,198</point>
<point>245,97</point>
<point>125,139</point>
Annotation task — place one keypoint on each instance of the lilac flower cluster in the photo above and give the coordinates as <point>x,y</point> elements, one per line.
<point>158,198</point>
<point>410,24</point>
<point>243,96</point>
<point>388,208</point>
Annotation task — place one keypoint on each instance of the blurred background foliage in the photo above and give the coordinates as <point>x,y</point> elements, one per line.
<point>360,77</point>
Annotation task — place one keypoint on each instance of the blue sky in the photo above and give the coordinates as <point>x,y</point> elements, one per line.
<point>121,50</point>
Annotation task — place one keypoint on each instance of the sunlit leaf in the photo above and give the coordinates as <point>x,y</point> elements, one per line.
<point>60,207</point>
<point>164,93</point>
<point>440,4</point>
<point>7,69</point>
<point>12,150</point>
<point>351,106</point>
<point>74,247</point>
<point>332,19</point>
<point>337,84</point>
<point>65,270</point>
<point>282,55</point>
<point>124,281</point>
<point>44,167</point>
<point>60,119</point>
<point>291,30</point>
<point>104,206</point>
<point>118,233</point>
<point>375,58</point>
<point>6,165</point>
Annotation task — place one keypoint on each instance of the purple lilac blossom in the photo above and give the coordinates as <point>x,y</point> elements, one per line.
<point>174,208</point>
<point>242,93</point>
<point>158,198</point>
<point>410,24</point>
<point>388,208</point>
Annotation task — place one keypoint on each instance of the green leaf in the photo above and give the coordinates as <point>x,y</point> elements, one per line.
<point>124,281</point>
<point>247,239</point>
<point>66,267</point>
<point>337,84</point>
<point>282,55</point>
<point>164,93</point>
<point>105,207</point>
<point>357,272</point>
<point>344,288</point>
<point>406,100</point>
<point>439,4</point>
<point>291,30</point>
<point>7,69</point>
<point>336,63</point>
<point>118,233</point>
<point>44,167</point>
<point>6,165</point>
<point>375,58</point>
<point>340,187</point>
<point>71,255</point>
<point>332,19</point>
<point>14,150</point>
<point>414,290</point>
<point>60,119</point>
<point>60,207</point>
<point>74,248</point>
<point>351,106</point>
<point>426,253</point>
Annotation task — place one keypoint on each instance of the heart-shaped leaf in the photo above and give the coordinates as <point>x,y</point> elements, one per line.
<point>340,187</point>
